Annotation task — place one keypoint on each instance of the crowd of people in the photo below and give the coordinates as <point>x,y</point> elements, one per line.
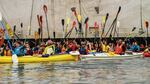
<point>84,47</point>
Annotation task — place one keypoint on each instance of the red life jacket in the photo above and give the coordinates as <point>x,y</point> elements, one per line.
<point>118,49</point>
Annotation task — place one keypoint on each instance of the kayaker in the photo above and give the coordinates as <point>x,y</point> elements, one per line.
<point>28,49</point>
<point>142,47</point>
<point>118,48</point>
<point>19,49</point>
<point>135,47</point>
<point>50,48</point>
<point>82,49</point>
<point>7,51</point>
<point>72,46</point>
<point>105,47</point>
<point>58,48</point>
<point>147,51</point>
<point>41,48</point>
<point>63,49</point>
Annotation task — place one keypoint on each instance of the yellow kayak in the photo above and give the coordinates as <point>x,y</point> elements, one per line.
<point>36,59</point>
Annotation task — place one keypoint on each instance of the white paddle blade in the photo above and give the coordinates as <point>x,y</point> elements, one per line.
<point>14,58</point>
<point>0,16</point>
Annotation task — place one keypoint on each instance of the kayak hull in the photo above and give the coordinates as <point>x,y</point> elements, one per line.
<point>105,56</point>
<point>146,54</point>
<point>36,59</point>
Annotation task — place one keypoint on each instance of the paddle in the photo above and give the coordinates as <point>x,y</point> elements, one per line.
<point>113,24</point>
<point>63,26</point>
<point>86,27</point>
<point>68,21</point>
<point>14,56</point>
<point>45,11</point>
<point>147,25</point>
<point>73,25</point>
<point>103,30</point>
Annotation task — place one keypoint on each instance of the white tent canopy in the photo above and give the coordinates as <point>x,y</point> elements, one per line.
<point>17,11</point>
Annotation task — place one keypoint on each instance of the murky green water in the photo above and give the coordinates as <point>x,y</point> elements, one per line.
<point>133,71</point>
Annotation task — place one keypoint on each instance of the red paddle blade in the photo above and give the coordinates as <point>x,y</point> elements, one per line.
<point>45,9</point>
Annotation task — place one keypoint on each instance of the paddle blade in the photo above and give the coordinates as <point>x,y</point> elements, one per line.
<point>118,24</point>
<point>14,30</point>
<point>79,18</point>
<point>134,28</point>
<point>14,58</point>
<point>119,9</point>
<point>63,22</point>
<point>1,16</point>
<point>86,20</point>
<point>146,24</point>
<point>45,9</point>
<point>68,21</point>
<point>21,24</point>
<point>107,15</point>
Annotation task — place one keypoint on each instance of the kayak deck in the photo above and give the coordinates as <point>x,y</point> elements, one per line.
<point>36,59</point>
<point>103,56</point>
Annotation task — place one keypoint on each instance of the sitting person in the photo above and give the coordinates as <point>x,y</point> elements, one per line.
<point>19,49</point>
<point>135,47</point>
<point>58,48</point>
<point>63,49</point>
<point>50,48</point>
<point>28,49</point>
<point>82,49</point>
<point>119,47</point>
<point>36,50</point>
<point>7,51</point>
<point>147,52</point>
<point>105,47</point>
<point>41,48</point>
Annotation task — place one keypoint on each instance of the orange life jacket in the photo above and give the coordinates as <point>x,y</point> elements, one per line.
<point>118,49</point>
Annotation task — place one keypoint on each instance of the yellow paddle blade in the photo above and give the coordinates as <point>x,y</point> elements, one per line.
<point>36,35</point>
<point>79,18</point>
<point>68,20</point>
<point>10,32</point>
<point>103,19</point>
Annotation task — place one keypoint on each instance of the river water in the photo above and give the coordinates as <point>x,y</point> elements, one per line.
<point>131,71</point>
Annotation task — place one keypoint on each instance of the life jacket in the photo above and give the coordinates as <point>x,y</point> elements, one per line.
<point>105,48</point>
<point>49,50</point>
<point>63,50</point>
<point>7,53</point>
<point>118,49</point>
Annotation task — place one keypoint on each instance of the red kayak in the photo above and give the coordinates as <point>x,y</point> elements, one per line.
<point>147,54</point>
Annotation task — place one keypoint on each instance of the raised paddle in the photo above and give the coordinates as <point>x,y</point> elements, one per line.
<point>147,25</point>
<point>14,56</point>
<point>45,11</point>
<point>86,27</point>
<point>63,26</point>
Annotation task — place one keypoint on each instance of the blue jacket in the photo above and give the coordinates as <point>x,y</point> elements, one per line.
<point>20,50</point>
<point>135,48</point>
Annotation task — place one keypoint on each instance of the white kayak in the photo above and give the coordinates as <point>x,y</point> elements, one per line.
<point>101,56</point>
